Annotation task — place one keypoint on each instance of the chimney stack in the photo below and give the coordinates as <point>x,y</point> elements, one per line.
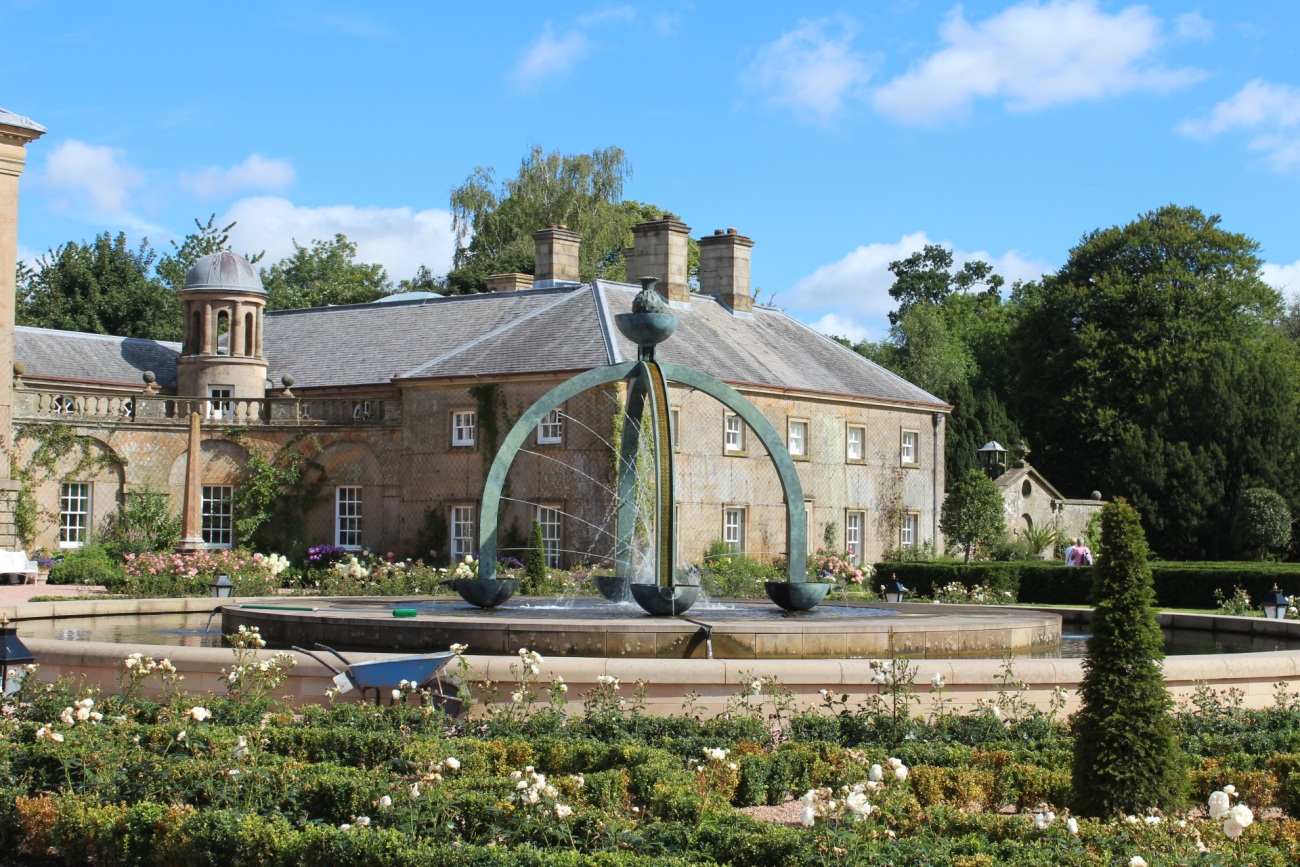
<point>724,268</point>
<point>660,252</point>
<point>509,282</point>
<point>557,256</point>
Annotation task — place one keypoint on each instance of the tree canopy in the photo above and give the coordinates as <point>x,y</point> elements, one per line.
<point>323,274</point>
<point>972,512</point>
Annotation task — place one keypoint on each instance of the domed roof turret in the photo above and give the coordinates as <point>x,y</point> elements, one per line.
<point>224,270</point>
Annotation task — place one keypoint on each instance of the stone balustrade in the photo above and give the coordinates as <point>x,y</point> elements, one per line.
<point>87,408</point>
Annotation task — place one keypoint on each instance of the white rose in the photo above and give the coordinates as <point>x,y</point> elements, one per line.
<point>1242,814</point>
<point>876,774</point>
<point>453,764</point>
<point>1218,804</point>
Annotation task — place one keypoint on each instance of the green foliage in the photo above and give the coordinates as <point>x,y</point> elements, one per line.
<point>88,566</point>
<point>173,267</point>
<point>145,522</point>
<point>1126,752</point>
<point>274,493</point>
<point>727,573</point>
<point>927,277</point>
<point>431,539</point>
<point>1261,523</point>
<point>54,442</point>
<point>103,287</point>
<point>1113,361</point>
<point>972,512</point>
<point>535,566</point>
<point>323,274</point>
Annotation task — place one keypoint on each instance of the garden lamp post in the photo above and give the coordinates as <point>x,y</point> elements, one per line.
<point>221,586</point>
<point>13,655</point>
<point>894,591</point>
<point>993,458</point>
<point>1275,604</point>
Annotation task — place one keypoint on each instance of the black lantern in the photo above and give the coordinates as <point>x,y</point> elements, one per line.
<point>993,458</point>
<point>894,591</point>
<point>13,656</point>
<point>1275,604</point>
<point>222,586</point>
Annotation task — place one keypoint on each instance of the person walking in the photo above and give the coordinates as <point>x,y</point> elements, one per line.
<point>1070,554</point>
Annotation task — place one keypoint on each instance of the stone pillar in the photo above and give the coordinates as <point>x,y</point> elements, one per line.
<point>724,268</point>
<point>16,133</point>
<point>509,282</point>
<point>192,520</point>
<point>661,248</point>
<point>557,254</point>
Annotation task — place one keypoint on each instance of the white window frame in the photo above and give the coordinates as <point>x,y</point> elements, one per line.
<point>798,446</point>
<point>551,520</point>
<point>361,410</point>
<point>733,433</point>
<point>464,427</point>
<point>861,456</point>
<point>348,504</point>
<point>74,514</point>
<point>463,520</point>
<point>550,431</point>
<point>909,447</point>
<point>853,535</point>
<point>673,418</point>
<point>908,532</point>
<point>217,516</point>
<point>733,529</point>
<point>219,397</point>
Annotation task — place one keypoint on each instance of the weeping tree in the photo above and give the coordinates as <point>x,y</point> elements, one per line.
<point>1126,754</point>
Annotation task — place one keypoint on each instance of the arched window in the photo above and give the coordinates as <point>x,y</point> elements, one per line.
<point>248,335</point>
<point>194,347</point>
<point>223,327</point>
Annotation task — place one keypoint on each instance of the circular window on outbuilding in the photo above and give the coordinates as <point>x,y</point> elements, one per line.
<point>1026,489</point>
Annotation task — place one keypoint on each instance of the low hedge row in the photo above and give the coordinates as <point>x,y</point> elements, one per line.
<point>1178,585</point>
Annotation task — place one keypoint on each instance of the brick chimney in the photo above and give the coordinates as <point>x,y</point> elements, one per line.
<point>557,255</point>
<point>660,252</point>
<point>509,282</point>
<point>724,268</point>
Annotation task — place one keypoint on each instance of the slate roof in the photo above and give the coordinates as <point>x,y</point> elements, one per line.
<point>534,331</point>
<point>99,358</point>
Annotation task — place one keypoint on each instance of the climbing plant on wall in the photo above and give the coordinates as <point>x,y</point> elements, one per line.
<point>274,492</point>
<point>54,442</point>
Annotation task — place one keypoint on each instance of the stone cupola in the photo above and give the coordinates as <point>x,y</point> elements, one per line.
<point>223,299</point>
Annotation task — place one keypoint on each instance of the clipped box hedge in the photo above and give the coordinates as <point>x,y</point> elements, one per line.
<point>1039,582</point>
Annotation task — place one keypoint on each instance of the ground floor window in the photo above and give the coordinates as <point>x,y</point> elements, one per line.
<point>552,525</point>
<point>462,533</point>
<point>347,517</point>
<point>911,520</point>
<point>733,529</point>
<point>217,515</point>
<point>74,514</point>
<point>853,524</point>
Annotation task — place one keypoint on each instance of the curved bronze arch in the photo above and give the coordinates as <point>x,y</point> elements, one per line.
<point>796,517</point>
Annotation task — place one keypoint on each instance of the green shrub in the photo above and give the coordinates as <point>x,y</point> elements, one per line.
<point>87,566</point>
<point>1261,523</point>
<point>144,523</point>
<point>730,574</point>
<point>535,567</point>
<point>1126,754</point>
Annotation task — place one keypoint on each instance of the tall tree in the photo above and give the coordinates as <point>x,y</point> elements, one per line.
<point>1149,367</point>
<point>323,274</point>
<point>927,277</point>
<point>103,287</point>
<point>494,222</point>
<point>972,512</point>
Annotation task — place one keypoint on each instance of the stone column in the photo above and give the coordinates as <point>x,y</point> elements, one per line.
<point>15,134</point>
<point>192,521</point>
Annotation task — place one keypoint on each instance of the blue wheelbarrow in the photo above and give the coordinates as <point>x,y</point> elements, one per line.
<point>385,675</point>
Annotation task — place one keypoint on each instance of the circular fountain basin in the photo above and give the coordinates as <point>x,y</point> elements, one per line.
<point>592,628</point>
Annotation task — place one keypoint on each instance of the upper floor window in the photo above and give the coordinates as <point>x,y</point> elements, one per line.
<point>798,438</point>
<point>217,515</point>
<point>551,430</point>
<point>74,514</point>
<point>908,449</point>
<point>734,437</point>
<point>857,443</point>
<point>464,427</point>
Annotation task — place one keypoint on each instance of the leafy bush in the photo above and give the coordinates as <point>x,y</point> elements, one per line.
<point>727,573</point>
<point>88,565</point>
<point>535,565</point>
<point>144,523</point>
<point>1261,523</point>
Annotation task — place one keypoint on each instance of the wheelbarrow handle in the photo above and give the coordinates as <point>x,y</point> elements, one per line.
<point>316,657</point>
<point>341,659</point>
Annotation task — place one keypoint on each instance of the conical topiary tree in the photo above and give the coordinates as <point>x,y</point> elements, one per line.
<point>1126,754</point>
<point>535,566</point>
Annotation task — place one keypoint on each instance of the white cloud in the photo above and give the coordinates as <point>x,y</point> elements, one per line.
<point>94,175</point>
<point>812,69</point>
<point>607,15</point>
<point>1031,56</point>
<point>400,239</point>
<point>1283,278</point>
<point>549,56</point>
<point>1270,112</point>
<point>851,296</point>
<point>1193,26</point>
<point>255,173</point>
<point>28,255</point>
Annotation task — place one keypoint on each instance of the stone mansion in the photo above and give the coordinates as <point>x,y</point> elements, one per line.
<point>405,400</point>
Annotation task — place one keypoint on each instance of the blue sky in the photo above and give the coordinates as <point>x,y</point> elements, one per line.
<point>839,137</point>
